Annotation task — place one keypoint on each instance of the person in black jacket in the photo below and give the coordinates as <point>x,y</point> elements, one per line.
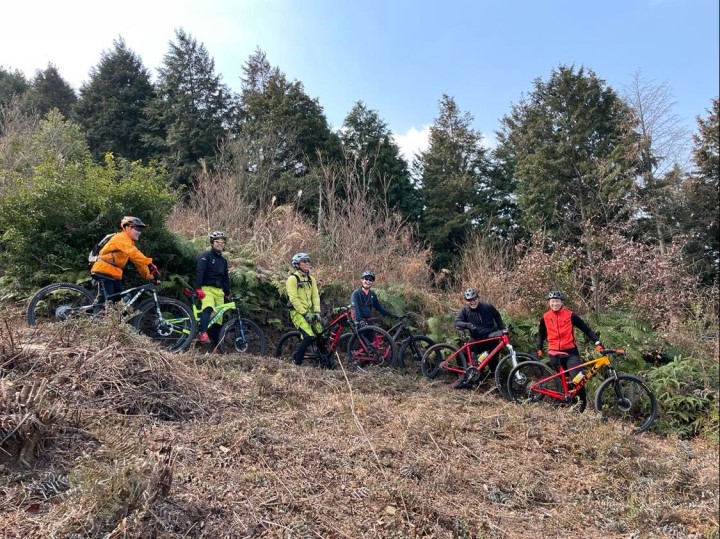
<point>481,319</point>
<point>212,281</point>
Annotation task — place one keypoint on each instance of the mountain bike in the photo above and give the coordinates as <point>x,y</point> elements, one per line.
<point>237,334</point>
<point>167,321</point>
<point>411,347</point>
<point>619,396</point>
<point>461,368</point>
<point>363,347</point>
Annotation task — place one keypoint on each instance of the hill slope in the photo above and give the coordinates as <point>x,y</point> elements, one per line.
<point>123,441</point>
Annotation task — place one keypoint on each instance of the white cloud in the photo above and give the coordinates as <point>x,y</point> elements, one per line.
<point>412,142</point>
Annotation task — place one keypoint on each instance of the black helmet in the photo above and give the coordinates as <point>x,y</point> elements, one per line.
<point>470,293</point>
<point>300,257</point>
<point>555,294</point>
<point>369,275</point>
<point>132,221</point>
<point>217,235</point>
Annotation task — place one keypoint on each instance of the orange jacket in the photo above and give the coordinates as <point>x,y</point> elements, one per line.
<point>113,257</point>
<point>559,326</point>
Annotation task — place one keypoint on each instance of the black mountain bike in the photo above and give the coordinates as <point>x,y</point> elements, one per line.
<point>411,347</point>
<point>167,321</point>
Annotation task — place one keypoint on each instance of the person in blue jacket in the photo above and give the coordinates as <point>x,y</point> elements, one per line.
<point>364,300</point>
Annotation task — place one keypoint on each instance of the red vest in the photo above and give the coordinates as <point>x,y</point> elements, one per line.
<point>560,334</point>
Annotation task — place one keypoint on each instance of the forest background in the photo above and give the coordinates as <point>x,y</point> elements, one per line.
<point>588,190</point>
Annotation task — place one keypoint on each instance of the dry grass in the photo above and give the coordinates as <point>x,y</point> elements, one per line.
<point>155,445</point>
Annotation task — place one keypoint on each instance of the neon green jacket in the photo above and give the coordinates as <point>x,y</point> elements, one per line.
<point>303,293</point>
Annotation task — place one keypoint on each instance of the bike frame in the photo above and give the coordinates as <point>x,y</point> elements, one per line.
<point>503,341</point>
<point>398,329</point>
<point>568,394</point>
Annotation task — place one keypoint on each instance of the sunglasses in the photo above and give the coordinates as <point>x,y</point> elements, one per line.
<point>370,280</point>
<point>472,299</point>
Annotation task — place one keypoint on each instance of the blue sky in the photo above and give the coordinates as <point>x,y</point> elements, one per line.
<point>398,56</point>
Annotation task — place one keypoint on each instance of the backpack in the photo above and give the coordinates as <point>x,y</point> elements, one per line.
<point>94,254</point>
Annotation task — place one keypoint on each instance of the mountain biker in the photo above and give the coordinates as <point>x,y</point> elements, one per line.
<point>114,256</point>
<point>364,299</point>
<point>212,283</point>
<point>481,319</point>
<point>304,297</point>
<point>558,325</point>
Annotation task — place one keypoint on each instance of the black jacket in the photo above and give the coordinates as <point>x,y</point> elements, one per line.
<point>481,321</point>
<point>212,270</point>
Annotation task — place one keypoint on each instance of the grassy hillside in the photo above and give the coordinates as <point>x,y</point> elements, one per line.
<point>103,436</point>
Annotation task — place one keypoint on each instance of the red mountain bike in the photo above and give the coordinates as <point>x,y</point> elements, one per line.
<point>461,368</point>
<point>620,396</point>
<point>367,345</point>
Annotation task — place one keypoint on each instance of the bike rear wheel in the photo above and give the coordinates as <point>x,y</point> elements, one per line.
<point>412,352</point>
<point>241,336</point>
<point>372,345</point>
<point>502,371</point>
<point>431,363</point>
<point>523,381</point>
<point>629,400</point>
<point>173,328</point>
<point>58,302</point>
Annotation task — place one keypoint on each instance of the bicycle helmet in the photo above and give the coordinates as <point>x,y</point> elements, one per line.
<point>132,221</point>
<point>555,294</point>
<point>217,235</point>
<point>369,275</point>
<point>470,293</point>
<point>300,257</point>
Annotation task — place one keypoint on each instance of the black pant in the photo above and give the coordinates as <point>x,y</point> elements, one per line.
<point>489,346</point>
<point>108,287</point>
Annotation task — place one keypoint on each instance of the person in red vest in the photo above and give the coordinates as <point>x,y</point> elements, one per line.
<point>558,326</point>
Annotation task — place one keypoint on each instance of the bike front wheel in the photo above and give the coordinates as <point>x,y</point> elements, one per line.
<point>432,364</point>
<point>169,322</point>
<point>502,371</point>
<point>525,386</point>
<point>59,302</point>
<point>371,345</point>
<point>629,400</point>
<point>289,343</point>
<point>241,336</point>
<point>412,352</point>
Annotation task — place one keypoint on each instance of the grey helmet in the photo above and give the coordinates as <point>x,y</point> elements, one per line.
<point>300,257</point>
<point>470,293</point>
<point>217,235</point>
<point>369,275</point>
<point>132,221</point>
<point>555,294</point>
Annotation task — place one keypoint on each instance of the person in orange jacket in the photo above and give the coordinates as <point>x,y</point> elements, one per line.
<point>114,256</point>
<point>558,325</point>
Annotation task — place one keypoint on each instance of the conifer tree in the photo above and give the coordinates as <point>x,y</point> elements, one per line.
<point>455,182</point>
<point>571,145</point>
<point>375,156</point>
<point>189,117</point>
<point>48,90</point>
<point>112,104</point>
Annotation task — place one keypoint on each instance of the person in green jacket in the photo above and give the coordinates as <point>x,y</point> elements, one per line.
<point>302,291</point>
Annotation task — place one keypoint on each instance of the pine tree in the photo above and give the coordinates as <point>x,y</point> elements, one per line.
<point>191,112</point>
<point>455,183</point>
<point>112,104</point>
<point>12,86</point>
<point>570,144</point>
<point>48,90</point>
<point>375,156</point>
<point>700,218</point>
<point>292,128</point>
